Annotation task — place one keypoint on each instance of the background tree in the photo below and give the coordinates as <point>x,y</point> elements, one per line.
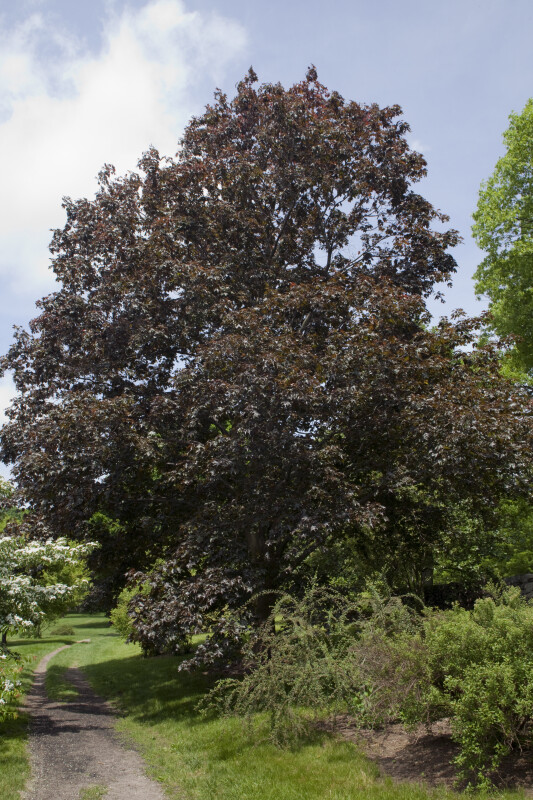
<point>504,229</point>
<point>8,508</point>
<point>236,371</point>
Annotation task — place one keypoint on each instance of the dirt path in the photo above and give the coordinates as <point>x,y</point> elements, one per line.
<point>73,746</point>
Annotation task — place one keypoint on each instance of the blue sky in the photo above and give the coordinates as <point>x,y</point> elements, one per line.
<point>83,83</point>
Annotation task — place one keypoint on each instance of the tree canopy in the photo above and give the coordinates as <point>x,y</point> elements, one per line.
<point>237,371</point>
<point>503,227</point>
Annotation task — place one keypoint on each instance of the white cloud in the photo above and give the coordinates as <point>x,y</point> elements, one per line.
<point>64,112</point>
<point>7,393</point>
<point>416,144</point>
<point>62,116</point>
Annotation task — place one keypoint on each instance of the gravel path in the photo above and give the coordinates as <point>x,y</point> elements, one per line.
<point>73,746</point>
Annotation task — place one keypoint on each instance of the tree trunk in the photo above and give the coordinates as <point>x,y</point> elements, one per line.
<point>257,550</point>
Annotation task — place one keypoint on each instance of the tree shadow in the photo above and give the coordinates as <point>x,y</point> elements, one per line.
<point>29,661</point>
<point>60,640</point>
<point>105,623</point>
<point>58,687</point>
<point>150,689</point>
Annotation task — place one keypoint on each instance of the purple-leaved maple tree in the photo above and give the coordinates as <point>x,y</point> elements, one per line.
<point>237,369</point>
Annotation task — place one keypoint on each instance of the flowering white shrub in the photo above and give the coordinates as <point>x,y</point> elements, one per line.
<point>38,580</point>
<point>10,669</point>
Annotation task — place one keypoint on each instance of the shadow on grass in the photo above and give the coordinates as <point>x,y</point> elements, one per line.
<point>150,690</point>
<point>59,641</point>
<point>58,687</point>
<point>29,660</point>
<point>105,623</point>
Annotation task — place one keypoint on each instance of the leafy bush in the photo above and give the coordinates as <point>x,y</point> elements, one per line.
<point>120,619</point>
<point>475,667</point>
<point>481,662</point>
<point>382,661</point>
<point>303,661</point>
<point>514,556</point>
<point>122,616</point>
<point>10,668</point>
<point>63,630</point>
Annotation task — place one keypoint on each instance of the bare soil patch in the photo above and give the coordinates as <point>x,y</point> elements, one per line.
<point>73,747</point>
<point>426,756</point>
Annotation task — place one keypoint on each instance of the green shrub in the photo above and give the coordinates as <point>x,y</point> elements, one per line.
<point>513,554</point>
<point>475,667</point>
<point>63,630</point>
<point>381,661</point>
<point>304,663</point>
<point>119,616</point>
<point>10,669</point>
<point>482,665</point>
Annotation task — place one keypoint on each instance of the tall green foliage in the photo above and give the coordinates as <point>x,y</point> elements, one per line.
<point>303,661</point>
<point>513,550</point>
<point>382,661</point>
<point>504,229</point>
<point>10,669</point>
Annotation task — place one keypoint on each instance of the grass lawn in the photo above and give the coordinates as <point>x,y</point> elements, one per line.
<point>195,758</point>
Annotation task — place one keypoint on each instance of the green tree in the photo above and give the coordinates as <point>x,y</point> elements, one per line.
<point>236,370</point>
<point>8,510</point>
<point>504,229</point>
<point>513,550</point>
